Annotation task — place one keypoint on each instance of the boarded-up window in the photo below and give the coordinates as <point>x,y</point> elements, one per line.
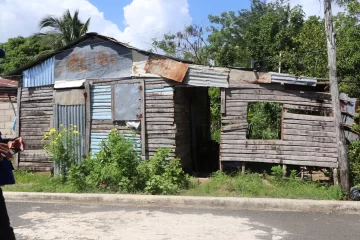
<point>126,102</point>
<point>264,120</point>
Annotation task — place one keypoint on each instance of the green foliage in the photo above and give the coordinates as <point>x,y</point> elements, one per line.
<point>215,113</point>
<point>20,51</point>
<point>61,146</point>
<point>354,162</point>
<point>277,172</point>
<point>264,120</point>
<point>260,33</point>
<point>161,175</point>
<point>117,168</point>
<point>188,44</point>
<point>64,29</point>
<point>253,185</point>
<point>112,169</point>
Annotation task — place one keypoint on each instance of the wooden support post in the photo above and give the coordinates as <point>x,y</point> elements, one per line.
<point>284,169</point>
<point>335,176</point>
<point>302,173</point>
<point>143,119</point>
<point>18,126</point>
<point>223,101</point>
<point>220,166</point>
<point>243,168</point>
<point>88,118</point>
<point>334,89</point>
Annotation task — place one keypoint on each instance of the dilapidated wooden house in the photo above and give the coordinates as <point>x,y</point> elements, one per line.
<point>98,84</point>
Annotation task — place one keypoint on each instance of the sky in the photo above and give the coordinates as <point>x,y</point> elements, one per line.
<point>136,22</point>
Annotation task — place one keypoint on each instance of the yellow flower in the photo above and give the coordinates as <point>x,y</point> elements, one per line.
<point>76,132</point>
<point>45,137</point>
<point>53,130</point>
<point>61,125</point>
<point>75,126</point>
<point>59,135</point>
<point>54,142</point>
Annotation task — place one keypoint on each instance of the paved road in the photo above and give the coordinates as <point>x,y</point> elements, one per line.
<point>46,221</point>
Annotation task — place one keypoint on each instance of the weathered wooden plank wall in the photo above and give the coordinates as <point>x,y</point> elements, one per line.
<point>182,120</point>
<point>161,129</point>
<point>36,117</point>
<point>306,140</point>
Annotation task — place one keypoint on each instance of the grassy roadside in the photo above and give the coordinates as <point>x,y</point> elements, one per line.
<point>219,185</point>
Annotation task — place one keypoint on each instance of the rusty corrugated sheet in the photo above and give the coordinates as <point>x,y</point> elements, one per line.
<point>167,68</point>
<point>204,76</point>
<point>93,59</point>
<point>8,83</point>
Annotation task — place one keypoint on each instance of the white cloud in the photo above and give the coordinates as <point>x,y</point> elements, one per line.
<point>315,7</point>
<point>144,19</point>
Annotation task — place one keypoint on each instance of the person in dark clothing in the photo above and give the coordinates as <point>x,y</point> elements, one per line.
<point>7,149</point>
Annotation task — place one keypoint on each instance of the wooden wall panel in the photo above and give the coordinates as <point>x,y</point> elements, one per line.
<point>306,140</point>
<point>36,117</point>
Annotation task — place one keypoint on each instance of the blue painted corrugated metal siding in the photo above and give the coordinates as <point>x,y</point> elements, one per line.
<point>73,114</point>
<point>97,137</point>
<point>169,89</point>
<point>100,102</point>
<point>40,75</point>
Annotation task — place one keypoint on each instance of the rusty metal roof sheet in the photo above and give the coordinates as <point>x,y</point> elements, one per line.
<point>167,68</point>
<point>7,83</point>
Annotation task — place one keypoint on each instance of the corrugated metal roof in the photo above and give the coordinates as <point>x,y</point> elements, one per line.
<point>292,79</point>
<point>205,76</point>
<point>40,75</point>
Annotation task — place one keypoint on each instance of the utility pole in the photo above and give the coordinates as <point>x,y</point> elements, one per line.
<point>334,88</point>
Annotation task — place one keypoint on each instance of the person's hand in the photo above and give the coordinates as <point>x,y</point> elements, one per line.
<point>5,150</point>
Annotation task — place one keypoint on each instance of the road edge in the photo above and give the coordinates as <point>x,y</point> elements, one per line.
<point>232,203</point>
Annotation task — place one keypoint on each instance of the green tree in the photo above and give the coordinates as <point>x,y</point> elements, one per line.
<point>20,51</point>
<point>188,44</point>
<point>63,29</point>
<point>261,33</point>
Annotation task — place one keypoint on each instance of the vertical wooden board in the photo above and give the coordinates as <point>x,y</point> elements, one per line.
<point>223,101</point>
<point>143,119</point>
<point>88,118</point>
<point>18,103</point>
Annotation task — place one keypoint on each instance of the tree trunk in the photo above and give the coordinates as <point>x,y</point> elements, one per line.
<point>334,88</point>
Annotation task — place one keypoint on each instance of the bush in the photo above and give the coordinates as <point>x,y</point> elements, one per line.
<point>112,169</point>
<point>62,147</point>
<point>278,173</point>
<point>117,168</point>
<point>354,162</point>
<point>161,175</point>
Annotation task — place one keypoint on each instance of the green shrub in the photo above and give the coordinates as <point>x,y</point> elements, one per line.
<point>278,173</point>
<point>161,175</point>
<point>117,168</point>
<point>112,169</point>
<point>62,147</point>
<point>354,162</point>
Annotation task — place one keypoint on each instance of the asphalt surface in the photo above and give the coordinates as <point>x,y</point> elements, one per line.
<point>52,221</point>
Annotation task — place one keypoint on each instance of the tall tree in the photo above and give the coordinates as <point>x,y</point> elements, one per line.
<point>63,29</point>
<point>334,88</point>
